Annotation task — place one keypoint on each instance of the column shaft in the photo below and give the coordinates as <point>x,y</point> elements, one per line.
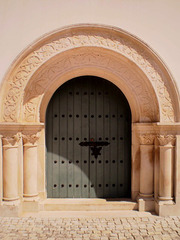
<point>166,149</point>
<point>166,173</point>
<point>10,169</point>
<point>30,171</point>
<point>30,166</point>
<point>146,171</point>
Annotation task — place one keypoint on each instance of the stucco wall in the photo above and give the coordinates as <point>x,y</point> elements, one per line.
<point>156,22</point>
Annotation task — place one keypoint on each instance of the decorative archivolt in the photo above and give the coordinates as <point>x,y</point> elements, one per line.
<point>41,82</point>
<point>86,36</point>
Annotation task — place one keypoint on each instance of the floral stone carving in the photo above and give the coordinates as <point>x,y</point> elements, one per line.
<point>31,139</point>
<point>41,82</point>
<point>166,140</point>
<point>85,36</point>
<point>147,139</point>
<point>11,140</point>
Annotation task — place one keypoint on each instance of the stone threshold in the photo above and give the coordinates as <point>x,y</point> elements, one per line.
<point>88,204</point>
<point>89,214</point>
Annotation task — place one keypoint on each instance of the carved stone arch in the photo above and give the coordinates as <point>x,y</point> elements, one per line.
<point>91,61</point>
<point>86,47</point>
<point>114,55</point>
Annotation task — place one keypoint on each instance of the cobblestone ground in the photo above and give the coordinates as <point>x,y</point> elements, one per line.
<point>90,228</point>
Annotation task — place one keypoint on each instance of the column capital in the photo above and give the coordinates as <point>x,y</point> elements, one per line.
<point>11,140</point>
<point>166,140</point>
<point>30,138</point>
<point>146,139</point>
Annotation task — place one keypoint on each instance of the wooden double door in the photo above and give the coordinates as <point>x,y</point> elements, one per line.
<point>88,141</point>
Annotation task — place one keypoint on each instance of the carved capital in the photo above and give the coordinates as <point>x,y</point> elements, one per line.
<point>10,141</point>
<point>146,139</point>
<point>166,140</point>
<point>31,139</point>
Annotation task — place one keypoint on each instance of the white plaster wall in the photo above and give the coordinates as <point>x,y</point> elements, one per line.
<point>157,22</point>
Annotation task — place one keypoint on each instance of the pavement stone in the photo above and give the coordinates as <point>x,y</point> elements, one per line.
<point>57,228</point>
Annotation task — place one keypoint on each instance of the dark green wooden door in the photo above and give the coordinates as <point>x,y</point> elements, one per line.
<point>88,109</point>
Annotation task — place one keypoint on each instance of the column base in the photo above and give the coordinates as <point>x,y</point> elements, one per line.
<point>30,204</point>
<point>146,204</point>
<point>11,209</point>
<point>146,196</point>
<point>31,198</point>
<point>165,201</point>
<point>30,195</point>
<point>10,199</point>
<point>164,209</point>
<point>165,198</point>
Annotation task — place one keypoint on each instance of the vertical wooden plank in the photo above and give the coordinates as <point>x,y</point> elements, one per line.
<point>63,144</point>
<point>76,140</point>
<point>113,144</point>
<point>55,155</point>
<point>106,150</point>
<point>85,137</point>
<point>121,144</point>
<point>127,150</point>
<point>49,150</point>
<point>100,137</point>
<point>93,137</point>
<point>70,131</point>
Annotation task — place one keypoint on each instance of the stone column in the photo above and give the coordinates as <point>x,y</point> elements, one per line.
<point>166,167</point>
<point>10,167</point>
<point>146,166</point>
<point>30,165</point>
<point>1,173</point>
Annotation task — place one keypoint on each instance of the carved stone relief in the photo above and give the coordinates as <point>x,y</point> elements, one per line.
<point>147,139</point>
<point>105,38</point>
<point>11,140</point>
<point>41,82</point>
<point>166,140</point>
<point>31,139</point>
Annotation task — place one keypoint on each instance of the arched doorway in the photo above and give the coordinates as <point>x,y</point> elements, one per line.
<point>125,61</point>
<point>88,140</point>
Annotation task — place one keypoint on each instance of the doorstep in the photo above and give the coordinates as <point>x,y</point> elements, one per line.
<point>88,205</point>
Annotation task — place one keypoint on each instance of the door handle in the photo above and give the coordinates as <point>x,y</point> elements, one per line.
<point>95,147</point>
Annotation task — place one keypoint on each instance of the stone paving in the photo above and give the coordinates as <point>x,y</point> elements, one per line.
<point>90,228</point>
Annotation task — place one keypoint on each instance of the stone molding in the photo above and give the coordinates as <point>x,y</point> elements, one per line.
<point>166,140</point>
<point>83,36</point>
<point>147,139</point>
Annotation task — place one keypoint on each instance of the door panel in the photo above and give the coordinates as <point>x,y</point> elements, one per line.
<point>84,170</point>
<point>99,137</point>
<point>55,146</point>
<point>63,116</point>
<point>88,109</point>
<point>76,137</point>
